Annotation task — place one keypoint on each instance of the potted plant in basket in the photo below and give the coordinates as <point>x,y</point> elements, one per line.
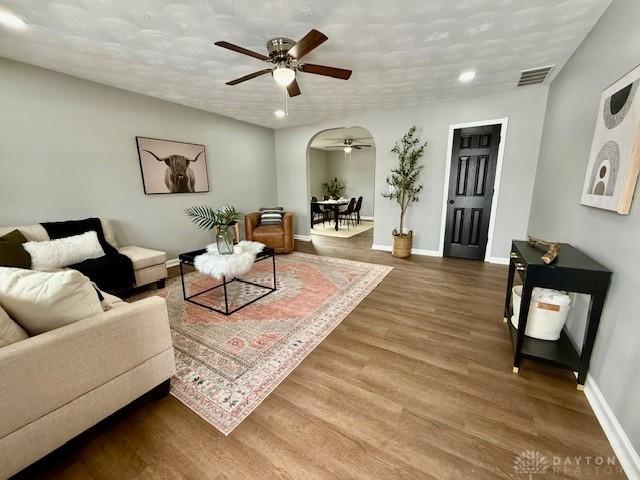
<point>334,188</point>
<point>206,218</point>
<point>404,187</point>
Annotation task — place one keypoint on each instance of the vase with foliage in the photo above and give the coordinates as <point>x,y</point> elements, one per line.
<point>333,188</point>
<point>223,220</point>
<point>404,187</point>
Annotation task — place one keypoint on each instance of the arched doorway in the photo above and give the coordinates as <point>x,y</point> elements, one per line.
<point>341,167</point>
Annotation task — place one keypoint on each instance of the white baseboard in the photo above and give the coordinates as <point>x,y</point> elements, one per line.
<point>620,443</point>
<point>367,218</point>
<point>173,262</point>
<point>414,251</point>
<point>498,260</point>
<point>304,238</point>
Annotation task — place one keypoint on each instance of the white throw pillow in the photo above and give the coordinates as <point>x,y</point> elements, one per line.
<point>43,301</point>
<point>10,331</point>
<point>62,252</point>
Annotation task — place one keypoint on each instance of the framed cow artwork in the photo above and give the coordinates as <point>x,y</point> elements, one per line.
<point>169,166</point>
<point>614,161</point>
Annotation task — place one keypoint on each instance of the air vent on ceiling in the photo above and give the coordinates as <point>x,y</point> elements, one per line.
<point>534,75</point>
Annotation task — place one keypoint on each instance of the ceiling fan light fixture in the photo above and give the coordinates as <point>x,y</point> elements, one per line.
<point>284,76</point>
<point>10,20</point>
<point>347,149</point>
<point>280,113</point>
<point>466,77</point>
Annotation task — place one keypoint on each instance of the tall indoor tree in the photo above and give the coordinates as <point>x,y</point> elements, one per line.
<point>405,188</point>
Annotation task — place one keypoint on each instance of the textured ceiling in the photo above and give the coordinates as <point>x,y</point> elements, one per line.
<point>336,136</point>
<point>402,52</point>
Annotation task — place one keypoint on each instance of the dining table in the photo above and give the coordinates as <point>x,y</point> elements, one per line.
<point>333,205</point>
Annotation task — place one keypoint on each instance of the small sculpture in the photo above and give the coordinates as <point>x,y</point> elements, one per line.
<point>551,249</point>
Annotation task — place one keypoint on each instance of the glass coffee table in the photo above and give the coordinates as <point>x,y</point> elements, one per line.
<point>189,258</point>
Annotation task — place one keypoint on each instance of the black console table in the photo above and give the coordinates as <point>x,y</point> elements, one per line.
<point>573,272</point>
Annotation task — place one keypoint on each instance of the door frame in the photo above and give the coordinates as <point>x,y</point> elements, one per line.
<point>503,122</point>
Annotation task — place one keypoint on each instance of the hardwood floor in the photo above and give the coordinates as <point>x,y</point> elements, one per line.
<point>415,383</point>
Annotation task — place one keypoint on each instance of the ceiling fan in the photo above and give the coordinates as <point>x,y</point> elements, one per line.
<point>286,55</point>
<point>347,145</point>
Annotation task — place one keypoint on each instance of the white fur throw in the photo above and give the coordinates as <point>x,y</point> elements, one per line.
<point>62,252</point>
<point>234,265</point>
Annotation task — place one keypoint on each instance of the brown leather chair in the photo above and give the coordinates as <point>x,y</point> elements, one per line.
<point>278,237</point>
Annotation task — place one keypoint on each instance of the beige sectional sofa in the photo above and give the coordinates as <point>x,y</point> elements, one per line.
<point>57,384</point>
<point>149,265</point>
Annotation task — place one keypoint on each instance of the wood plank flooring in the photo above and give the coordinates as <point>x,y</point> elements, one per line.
<point>415,383</point>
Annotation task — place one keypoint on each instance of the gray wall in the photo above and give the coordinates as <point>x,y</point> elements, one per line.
<point>358,175</point>
<point>318,165</point>
<point>610,50</point>
<point>525,108</point>
<point>67,150</point>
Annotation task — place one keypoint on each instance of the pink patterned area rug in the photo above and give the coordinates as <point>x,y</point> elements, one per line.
<point>226,366</point>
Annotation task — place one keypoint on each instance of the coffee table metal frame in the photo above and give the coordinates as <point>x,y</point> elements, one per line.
<point>188,259</point>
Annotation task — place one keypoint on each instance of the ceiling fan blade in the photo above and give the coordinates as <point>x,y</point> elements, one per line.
<point>244,51</point>
<point>334,72</point>
<point>307,43</point>
<point>249,77</point>
<point>357,147</point>
<point>360,145</point>
<point>293,88</point>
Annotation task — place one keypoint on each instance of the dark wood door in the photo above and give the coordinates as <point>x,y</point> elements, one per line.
<point>473,171</point>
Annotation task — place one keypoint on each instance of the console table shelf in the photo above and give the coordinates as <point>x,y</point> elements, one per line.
<point>573,272</point>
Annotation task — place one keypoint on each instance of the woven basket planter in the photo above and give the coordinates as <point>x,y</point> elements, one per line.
<point>401,246</point>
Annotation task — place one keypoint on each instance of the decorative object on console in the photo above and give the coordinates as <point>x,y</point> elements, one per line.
<point>333,188</point>
<point>551,249</point>
<point>224,220</point>
<point>614,161</point>
<point>62,252</point>
<point>172,167</point>
<point>113,271</point>
<point>12,252</point>
<point>404,187</point>
<point>43,301</point>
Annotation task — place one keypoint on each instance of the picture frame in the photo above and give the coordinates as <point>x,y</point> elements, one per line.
<point>171,166</point>
<point>614,161</point>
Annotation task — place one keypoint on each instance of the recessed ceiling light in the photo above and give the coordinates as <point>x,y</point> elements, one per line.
<point>10,20</point>
<point>279,113</point>
<point>467,76</point>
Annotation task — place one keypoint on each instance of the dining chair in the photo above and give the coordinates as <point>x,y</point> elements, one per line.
<point>348,213</point>
<point>317,210</point>
<point>358,207</point>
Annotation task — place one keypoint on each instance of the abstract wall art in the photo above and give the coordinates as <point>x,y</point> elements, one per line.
<point>614,161</point>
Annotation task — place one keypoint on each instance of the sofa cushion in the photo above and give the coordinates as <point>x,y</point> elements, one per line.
<point>33,233</point>
<point>143,257</point>
<point>43,301</point>
<point>12,252</point>
<point>62,252</point>
<point>10,331</point>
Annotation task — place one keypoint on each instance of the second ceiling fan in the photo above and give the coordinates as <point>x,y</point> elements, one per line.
<point>285,55</point>
<point>348,144</point>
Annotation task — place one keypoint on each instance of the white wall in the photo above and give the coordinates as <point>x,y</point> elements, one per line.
<point>357,172</point>
<point>525,108</point>
<point>318,168</point>
<point>610,50</point>
<point>68,150</point>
